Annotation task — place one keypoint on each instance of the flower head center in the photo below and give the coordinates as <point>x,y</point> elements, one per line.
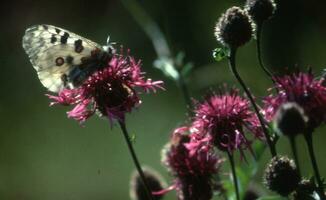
<point>111,94</point>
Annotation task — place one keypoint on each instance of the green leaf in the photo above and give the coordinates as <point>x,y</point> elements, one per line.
<point>258,149</point>
<point>272,198</point>
<point>274,132</point>
<point>221,53</point>
<point>179,58</point>
<point>132,138</point>
<point>186,70</point>
<point>243,181</point>
<point>229,188</point>
<point>166,65</point>
<point>245,172</point>
<point>173,68</point>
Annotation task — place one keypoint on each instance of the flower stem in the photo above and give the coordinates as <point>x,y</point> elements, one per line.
<point>135,159</point>
<point>149,26</point>
<point>185,92</point>
<point>295,153</point>
<point>308,138</point>
<point>234,175</point>
<point>258,41</point>
<point>158,39</point>
<point>252,101</point>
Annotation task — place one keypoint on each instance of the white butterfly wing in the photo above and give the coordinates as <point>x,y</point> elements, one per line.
<point>53,53</point>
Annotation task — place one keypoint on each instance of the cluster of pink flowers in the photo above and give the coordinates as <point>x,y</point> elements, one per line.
<point>110,91</point>
<point>303,89</point>
<point>193,172</point>
<point>220,121</point>
<point>223,120</point>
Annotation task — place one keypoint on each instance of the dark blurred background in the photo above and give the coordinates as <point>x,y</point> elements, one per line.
<point>44,155</point>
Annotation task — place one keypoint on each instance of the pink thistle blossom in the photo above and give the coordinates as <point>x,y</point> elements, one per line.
<point>110,91</point>
<point>303,89</point>
<point>222,120</point>
<point>193,172</point>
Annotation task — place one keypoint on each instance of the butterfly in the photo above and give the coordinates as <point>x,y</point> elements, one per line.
<point>63,59</point>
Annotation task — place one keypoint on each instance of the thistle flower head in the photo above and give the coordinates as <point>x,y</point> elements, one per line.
<point>234,28</point>
<point>193,172</point>
<point>290,119</point>
<point>281,175</point>
<point>223,119</point>
<point>252,193</point>
<point>110,91</point>
<point>303,89</point>
<point>306,189</point>
<point>260,10</point>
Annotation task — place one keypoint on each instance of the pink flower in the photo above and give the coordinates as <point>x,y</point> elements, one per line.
<point>193,172</point>
<point>222,120</point>
<point>110,91</point>
<point>303,89</point>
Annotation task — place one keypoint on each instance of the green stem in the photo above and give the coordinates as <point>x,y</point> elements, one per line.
<point>158,39</point>
<point>222,190</point>
<point>308,138</point>
<point>295,153</point>
<point>186,94</point>
<point>135,159</point>
<point>251,99</point>
<point>259,31</point>
<point>149,26</point>
<point>234,175</point>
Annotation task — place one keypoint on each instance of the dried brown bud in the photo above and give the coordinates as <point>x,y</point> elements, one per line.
<point>290,119</point>
<point>155,182</point>
<point>260,10</point>
<point>234,28</point>
<point>281,175</point>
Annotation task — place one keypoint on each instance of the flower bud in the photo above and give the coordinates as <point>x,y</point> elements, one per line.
<point>252,193</point>
<point>193,169</point>
<point>155,182</point>
<point>260,10</point>
<point>290,119</point>
<point>281,175</point>
<point>306,190</point>
<point>234,28</point>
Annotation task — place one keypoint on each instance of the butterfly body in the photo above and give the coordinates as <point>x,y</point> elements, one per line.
<point>61,58</point>
<point>87,67</point>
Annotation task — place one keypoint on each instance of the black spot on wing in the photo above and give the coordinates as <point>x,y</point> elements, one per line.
<point>78,42</point>
<point>59,61</point>
<point>53,39</point>
<point>69,59</point>
<point>57,30</point>
<point>79,46</point>
<point>45,27</point>
<point>64,38</point>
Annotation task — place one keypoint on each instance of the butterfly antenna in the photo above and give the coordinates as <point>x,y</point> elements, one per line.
<point>108,40</point>
<point>110,43</point>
